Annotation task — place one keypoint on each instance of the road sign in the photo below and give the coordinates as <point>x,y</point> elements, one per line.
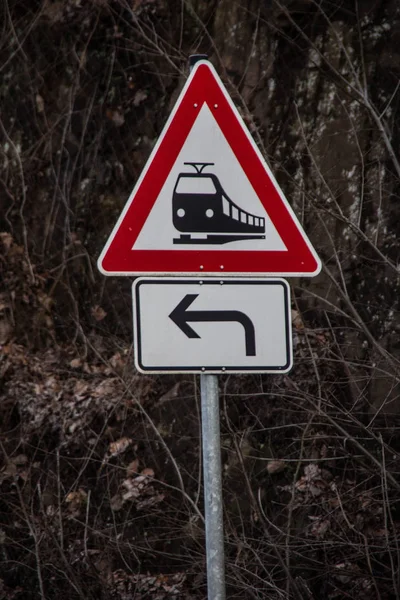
<point>206,202</point>
<point>212,325</point>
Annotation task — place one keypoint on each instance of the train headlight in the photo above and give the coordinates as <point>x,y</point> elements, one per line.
<point>209,213</point>
<point>180,212</point>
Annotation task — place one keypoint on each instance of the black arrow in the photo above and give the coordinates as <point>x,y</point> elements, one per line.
<point>180,316</point>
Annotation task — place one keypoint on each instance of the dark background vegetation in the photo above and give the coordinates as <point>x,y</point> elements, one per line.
<point>101,493</point>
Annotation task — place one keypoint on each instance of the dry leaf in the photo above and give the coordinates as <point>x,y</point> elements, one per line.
<point>77,497</point>
<point>170,395</point>
<point>275,466</point>
<point>6,239</point>
<point>133,488</point>
<point>76,500</point>
<point>319,527</point>
<point>117,361</point>
<point>6,330</point>
<point>297,320</point>
<point>151,501</point>
<point>20,459</point>
<point>139,97</point>
<point>39,103</point>
<point>119,446</point>
<point>133,468</point>
<point>116,502</point>
<point>147,473</point>
<point>81,389</point>
<point>116,117</point>
<point>98,313</point>
<point>104,388</point>
<point>10,470</point>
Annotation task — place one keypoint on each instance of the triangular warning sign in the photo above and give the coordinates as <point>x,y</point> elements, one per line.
<point>207,203</point>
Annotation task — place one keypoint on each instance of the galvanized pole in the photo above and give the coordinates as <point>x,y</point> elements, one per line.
<point>212,487</point>
<point>212,471</point>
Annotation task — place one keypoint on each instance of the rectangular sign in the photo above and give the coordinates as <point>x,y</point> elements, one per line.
<point>212,325</point>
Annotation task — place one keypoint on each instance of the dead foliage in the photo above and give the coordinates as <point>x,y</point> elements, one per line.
<point>100,480</point>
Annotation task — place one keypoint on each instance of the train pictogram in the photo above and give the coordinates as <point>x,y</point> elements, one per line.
<point>200,205</point>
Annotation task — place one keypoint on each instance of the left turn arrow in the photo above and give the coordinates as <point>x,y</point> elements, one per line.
<point>181,315</point>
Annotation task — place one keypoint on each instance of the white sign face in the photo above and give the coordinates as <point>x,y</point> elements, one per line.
<point>212,325</point>
<point>205,169</point>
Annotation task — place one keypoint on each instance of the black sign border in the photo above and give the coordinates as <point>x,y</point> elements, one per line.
<point>204,369</point>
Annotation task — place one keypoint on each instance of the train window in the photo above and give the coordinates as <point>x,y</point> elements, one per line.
<point>195,185</point>
<point>251,220</point>
<point>235,213</point>
<point>256,221</point>
<point>225,205</point>
<point>243,217</point>
<point>262,222</point>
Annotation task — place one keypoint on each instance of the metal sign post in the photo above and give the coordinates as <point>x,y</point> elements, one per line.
<point>212,487</point>
<point>212,475</point>
<point>205,212</point>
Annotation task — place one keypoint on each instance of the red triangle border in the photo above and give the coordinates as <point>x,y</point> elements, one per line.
<point>118,258</point>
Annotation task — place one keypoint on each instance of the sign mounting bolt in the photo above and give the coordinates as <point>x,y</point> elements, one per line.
<point>195,105</point>
<point>215,105</point>
<point>201,267</point>
<point>221,267</point>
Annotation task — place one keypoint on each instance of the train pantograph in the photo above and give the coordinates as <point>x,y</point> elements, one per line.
<point>200,205</point>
